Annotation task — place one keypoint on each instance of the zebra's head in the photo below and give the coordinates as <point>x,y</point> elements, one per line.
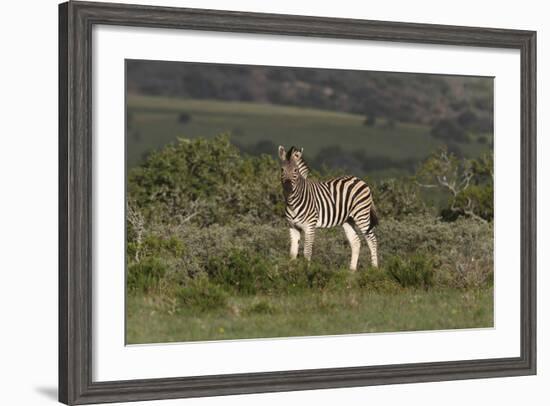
<point>290,168</point>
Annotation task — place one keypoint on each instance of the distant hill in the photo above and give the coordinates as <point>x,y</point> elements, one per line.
<point>467,102</point>
<point>333,139</point>
<point>362,122</point>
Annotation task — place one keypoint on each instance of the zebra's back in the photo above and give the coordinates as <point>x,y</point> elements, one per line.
<point>339,199</point>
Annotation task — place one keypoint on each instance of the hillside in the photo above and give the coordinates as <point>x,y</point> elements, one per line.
<point>405,97</point>
<point>330,138</point>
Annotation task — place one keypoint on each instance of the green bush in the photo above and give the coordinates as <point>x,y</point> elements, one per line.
<point>145,276</point>
<point>155,245</point>
<point>206,182</point>
<point>241,271</point>
<point>292,276</point>
<point>416,271</point>
<point>398,198</point>
<point>247,273</point>
<point>480,198</point>
<point>201,295</point>
<point>449,129</point>
<point>322,277</point>
<point>295,276</point>
<point>252,262</point>
<point>377,280</point>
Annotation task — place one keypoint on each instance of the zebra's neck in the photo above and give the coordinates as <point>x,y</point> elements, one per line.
<point>303,168</point>
<point>297,193</point>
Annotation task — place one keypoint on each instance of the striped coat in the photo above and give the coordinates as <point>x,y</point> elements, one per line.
<point>344,201</point>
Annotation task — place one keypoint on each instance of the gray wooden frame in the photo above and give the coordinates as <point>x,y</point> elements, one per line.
<point>76,20</point>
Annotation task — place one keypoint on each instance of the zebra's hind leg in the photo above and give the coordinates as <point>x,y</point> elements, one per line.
<point>354,242</point>
<point>363,223</point>
<point>373,247</point>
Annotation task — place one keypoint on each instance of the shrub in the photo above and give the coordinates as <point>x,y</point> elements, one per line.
<point>477,199</point>
<point>377,280</point>
<point>156,245</point>
<point>370,120</point>
<point>295,276</point>
<point>449,129</point>
<point>202,295</point>
<point>292,276</point>
<point>482,139</point>
<point>241,271</point>
<point>467,119</point>
<point>184,117</point>
<point>249,258</point>
<point>206,182</point>
<point>247,273</point>
<point>145,275</point>
<point>416,271</point>
<point>323,277</point>
<point>398,198</point>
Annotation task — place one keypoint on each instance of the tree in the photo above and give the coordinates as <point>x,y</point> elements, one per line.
<point>468,183</point>
<point>184,117</point>
<point>448,129</point>
<point>370,120</point>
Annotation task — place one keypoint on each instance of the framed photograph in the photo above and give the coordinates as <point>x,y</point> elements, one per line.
<point>257,202</point>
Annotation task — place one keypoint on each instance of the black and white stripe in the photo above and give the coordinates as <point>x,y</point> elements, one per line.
<point>311,204</point>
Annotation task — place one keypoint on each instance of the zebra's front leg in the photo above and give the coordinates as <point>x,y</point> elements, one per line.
<point>309,236</point>
<point>294,241</point>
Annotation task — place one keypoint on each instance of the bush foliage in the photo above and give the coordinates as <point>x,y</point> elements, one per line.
<point>205,181</point>
<point>415,271</point>
<point>202,295</point>
<point>205,225</point>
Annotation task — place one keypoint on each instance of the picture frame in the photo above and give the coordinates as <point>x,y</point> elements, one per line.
<point>76,352</point>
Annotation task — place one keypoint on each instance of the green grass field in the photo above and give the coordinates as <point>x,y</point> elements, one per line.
<point>154,121</point>
<point>311,313</point>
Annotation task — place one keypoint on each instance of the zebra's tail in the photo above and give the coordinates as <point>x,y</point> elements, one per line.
<point>373,217</point>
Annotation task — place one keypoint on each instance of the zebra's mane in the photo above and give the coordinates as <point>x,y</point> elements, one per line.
<point>303,168</point>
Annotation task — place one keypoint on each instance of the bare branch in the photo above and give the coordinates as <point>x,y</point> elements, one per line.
<point>186,219</point>
<point>135,218</point>
<point>466,180</point>
<point>443,182</point>
<point>475,216</point>
<point>191,212</point>
<point>425,185</point>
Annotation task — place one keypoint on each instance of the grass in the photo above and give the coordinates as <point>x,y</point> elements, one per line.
<point>150,319</point>
<point>154,121</point>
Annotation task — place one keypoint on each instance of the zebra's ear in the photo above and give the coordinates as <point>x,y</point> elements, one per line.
<point>282,153</point>
<point>298,154</point>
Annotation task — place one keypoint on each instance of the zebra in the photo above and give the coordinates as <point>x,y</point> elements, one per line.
<point>311,204</point>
